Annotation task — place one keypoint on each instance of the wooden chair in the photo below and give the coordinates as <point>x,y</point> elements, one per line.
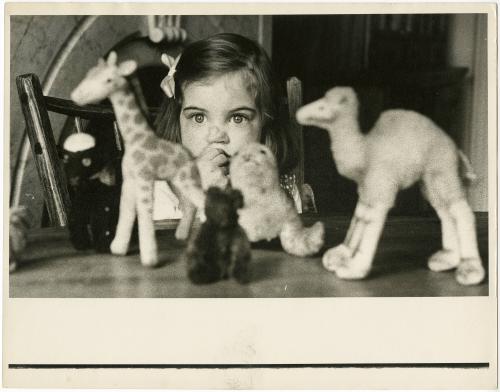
<point>36,107</point>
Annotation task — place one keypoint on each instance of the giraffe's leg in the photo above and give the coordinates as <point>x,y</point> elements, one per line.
<point>187,181</point>
<point>186,222</point>
<point>470,270</point>
<point>188,215</point>
<point>126,219</point>
<point>147,239</point>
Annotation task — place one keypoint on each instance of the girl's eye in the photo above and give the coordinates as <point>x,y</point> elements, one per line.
<point>86,162</point>
<point>199,118</point>
<point>239,118</point>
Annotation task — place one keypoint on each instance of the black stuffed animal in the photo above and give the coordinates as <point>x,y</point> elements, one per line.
<point>94,187</point>
<point>220,248</point>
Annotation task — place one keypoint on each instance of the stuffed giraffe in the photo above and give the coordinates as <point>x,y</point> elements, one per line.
<point>402,148</point>
<point>146,158</point>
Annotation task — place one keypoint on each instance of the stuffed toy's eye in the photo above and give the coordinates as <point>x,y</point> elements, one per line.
<point>86,162</point>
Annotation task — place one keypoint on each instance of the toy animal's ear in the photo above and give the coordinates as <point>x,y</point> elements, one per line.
<point>237,199</point>
<point>112,58</point>
<point>127,67</point>
<point>213,191</point>
<point>167,60</point>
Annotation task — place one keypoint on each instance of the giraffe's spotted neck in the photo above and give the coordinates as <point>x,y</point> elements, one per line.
<point>130,118</point>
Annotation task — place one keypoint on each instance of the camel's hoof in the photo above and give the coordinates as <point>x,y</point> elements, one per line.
<point>118,248</point>
<point>150,262</point>
<point>336,257</point>
<point>470,271</point>
<point>443,260</point>
<point>350,273</point>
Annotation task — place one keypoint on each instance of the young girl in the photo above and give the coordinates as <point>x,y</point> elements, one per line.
<point>225,96</point>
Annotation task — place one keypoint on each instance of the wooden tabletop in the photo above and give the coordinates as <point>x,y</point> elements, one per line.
<point>52,268</point>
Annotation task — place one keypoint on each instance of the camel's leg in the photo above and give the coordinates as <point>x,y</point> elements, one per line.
<point>470,269</point>
<point>126,219</point>
<point>445,190</point>
<point>339,255</point>
<point>353,258</point>
<point>364,241</point>
<point>147,239</point>
<point>377,193</point>
<point>449,256</point>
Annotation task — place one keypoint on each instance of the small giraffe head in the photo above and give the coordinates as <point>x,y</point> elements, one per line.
<point>103,80</point>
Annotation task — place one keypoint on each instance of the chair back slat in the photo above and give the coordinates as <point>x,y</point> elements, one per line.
<point>294,98</point>
<point>87,112</point>
<point>43,146</point>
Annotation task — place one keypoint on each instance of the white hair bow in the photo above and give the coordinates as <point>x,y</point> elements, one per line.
<point>168,83</point>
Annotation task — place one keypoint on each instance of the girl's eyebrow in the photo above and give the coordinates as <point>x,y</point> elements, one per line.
<point>243,108</point>
<point>194,108</point>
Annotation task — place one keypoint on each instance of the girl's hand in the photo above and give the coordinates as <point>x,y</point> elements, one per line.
<point>213,164</point>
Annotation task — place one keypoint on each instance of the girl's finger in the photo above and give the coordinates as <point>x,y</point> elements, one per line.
<point>220,160</point>
<point>210,153</point>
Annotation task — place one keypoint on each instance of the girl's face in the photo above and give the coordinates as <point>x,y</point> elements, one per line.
<point>221,113</point>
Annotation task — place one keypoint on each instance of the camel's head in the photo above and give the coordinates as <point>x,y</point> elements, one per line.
<point>337,102</point>
<point>103,80</point>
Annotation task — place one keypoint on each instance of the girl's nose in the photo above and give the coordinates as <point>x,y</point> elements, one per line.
<point>217,134</point>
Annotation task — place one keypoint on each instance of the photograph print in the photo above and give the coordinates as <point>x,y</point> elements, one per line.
<point>249,156</point>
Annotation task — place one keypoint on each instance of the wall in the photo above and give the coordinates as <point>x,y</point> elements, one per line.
<point>468,48</point>
<point>60,49</point>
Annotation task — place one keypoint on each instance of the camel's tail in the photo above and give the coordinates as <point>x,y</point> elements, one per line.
<point>466,169</point>
<point>302,241</point>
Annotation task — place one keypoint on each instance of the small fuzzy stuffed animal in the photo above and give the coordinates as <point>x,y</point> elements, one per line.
<point>94,190</point>
<point>220,248</point>
<point>268,212</point>
<point>19,223</point>
<point>402,148</point>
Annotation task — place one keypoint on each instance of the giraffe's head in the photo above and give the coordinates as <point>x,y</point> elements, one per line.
<point>103,80</point>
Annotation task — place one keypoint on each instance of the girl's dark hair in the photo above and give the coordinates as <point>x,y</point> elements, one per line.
<point>221,54</point>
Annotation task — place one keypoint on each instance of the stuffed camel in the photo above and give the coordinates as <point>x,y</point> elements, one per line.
<point>147,158</point>
<point>268,212</point>
<point>403,147</point>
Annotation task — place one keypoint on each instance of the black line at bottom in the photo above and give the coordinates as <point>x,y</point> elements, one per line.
<point>467,365</point>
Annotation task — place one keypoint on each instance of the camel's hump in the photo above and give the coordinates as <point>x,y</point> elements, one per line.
<point>402,124</point>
